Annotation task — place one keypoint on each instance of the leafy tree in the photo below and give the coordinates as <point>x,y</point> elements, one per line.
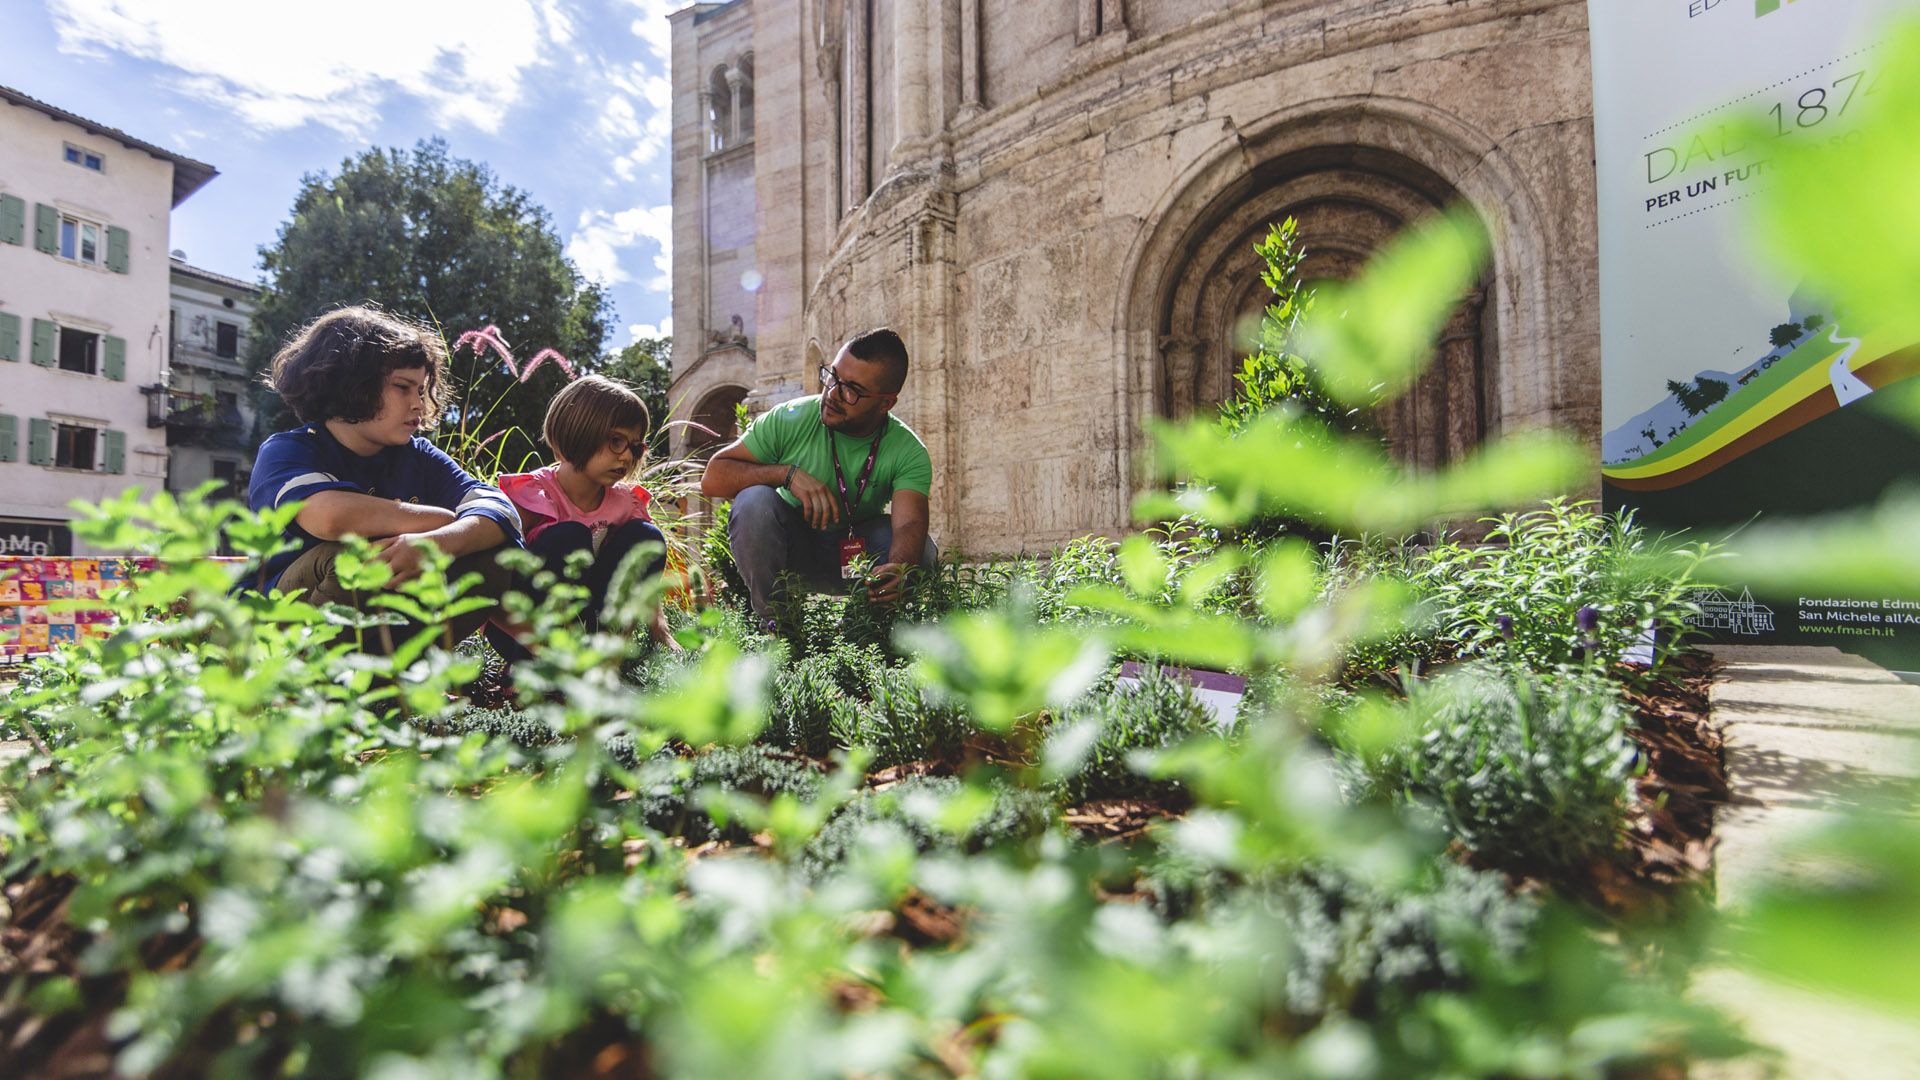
<point>1814,322</point>
<point>434,237</point>
<point>1785,334</point>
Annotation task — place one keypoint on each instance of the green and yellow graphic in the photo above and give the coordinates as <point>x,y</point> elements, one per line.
<point>1825,373</point>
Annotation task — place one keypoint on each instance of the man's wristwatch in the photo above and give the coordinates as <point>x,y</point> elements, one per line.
<point>788,482</point>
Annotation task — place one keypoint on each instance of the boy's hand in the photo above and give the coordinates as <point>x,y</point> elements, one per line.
<point>404,555</point>
<point>817,502</point>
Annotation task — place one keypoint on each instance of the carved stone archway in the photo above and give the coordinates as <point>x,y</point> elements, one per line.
<point>715,417</point>
<point>1352,171</point>
<point>1348,202</point>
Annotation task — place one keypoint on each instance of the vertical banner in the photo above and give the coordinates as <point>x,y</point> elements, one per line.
<point>1730,390</point>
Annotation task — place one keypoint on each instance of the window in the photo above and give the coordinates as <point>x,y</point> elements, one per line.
<point>226,406</point>
<point>86,159</point>
<point>227,472</point>
<point>226,340</point>
<point>74,446</point>
<point>82,241</point>
<point>79,351</point>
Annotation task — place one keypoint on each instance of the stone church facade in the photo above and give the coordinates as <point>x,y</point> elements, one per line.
<point>1055,202</point>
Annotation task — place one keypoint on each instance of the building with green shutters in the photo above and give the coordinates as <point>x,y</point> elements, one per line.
<point>84,301</point>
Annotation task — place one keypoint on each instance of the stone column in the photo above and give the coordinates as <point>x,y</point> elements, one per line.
<point>1461,376</point>
<point>830,32</point>
<point>912,81</point>
<point>736,81</point>
<point>1088,21</point>
<point>859,103</point>
<point>1180,357</point>
<point>709,135</point>
<point>971,101</point>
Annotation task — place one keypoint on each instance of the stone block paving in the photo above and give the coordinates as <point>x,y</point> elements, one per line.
<point>1811,733</point>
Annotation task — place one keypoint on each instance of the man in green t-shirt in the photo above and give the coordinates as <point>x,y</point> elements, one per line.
<point>813,478</point>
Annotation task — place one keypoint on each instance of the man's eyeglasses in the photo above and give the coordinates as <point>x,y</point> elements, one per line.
<point>851,393</point>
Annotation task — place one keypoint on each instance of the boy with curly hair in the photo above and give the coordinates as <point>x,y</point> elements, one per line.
<point>365,385</point>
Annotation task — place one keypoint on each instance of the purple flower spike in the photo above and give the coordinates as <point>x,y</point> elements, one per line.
<point>487,340</point>
<point>1588,618</point>
<point>1505,625</point>
<point>543,355</point>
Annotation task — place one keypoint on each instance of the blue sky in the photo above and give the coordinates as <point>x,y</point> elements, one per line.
<point>565,99</point>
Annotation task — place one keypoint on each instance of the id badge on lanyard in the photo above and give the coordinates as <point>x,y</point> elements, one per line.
<point>851,547</point>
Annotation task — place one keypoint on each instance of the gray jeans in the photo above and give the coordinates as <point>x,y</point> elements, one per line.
<point>770,538</point>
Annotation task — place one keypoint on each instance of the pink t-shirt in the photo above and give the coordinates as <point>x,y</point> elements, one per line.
<point>542,502</point>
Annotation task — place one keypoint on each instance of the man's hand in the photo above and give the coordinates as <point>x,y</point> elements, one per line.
<point>817,502</point>
<point>887,584</point>
<point>405,555</point>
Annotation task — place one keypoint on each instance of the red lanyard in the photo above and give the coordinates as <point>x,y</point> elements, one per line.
<point>866,473</point>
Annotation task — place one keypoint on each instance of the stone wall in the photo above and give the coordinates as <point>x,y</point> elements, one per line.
<point>1061,228</point>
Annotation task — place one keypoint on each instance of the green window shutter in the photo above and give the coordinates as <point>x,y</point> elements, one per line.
<point>116,451</point>
<point>40,441</point>
<point>43,342</point>
<point>9,337</point>
<point>117,241</point>
<point>9,438</point>
<point>117,359</point>
<point>13,219</point>
<point>46,228</point>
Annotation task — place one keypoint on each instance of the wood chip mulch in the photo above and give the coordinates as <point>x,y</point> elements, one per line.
<point>1686,774</point>
<point>1116,819</point>
<point>1668,855</point>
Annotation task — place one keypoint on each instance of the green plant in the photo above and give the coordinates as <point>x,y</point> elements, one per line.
<point>1525,770</point>
<point>931,813</point>
<point>806,691</point>
<point>1106,740</point>
<point>686,797</point>
<point>1367,951</point>
<point>897,720</point>
<point>1525,592</point>
<point>1349,562</point>
<point>1275,374</point>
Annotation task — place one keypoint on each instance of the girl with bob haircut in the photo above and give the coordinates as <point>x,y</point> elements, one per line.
<point>586,500</point>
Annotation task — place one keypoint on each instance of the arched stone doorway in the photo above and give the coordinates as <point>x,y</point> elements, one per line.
<point>1352,172</point>
<point>1348,202</point>
<point>715,420</point>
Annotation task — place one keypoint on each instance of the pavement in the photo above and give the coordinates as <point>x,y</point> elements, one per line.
<point>1812,734</point>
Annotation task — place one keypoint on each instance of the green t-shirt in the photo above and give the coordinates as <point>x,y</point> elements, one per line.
<point>791,434</point>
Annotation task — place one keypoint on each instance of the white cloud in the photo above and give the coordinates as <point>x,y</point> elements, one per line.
<point>637,141</point>
<point>636,134</point>
<point>650,24</point>
<point>281,66</point>
<point>601,239</point>
<point>636,331</point>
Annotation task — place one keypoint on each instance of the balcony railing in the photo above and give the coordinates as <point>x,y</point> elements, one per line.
<point>196,419</point>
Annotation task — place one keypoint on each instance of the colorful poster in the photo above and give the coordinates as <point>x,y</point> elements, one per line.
<point>1730,390</point>
<point>45,602</point>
